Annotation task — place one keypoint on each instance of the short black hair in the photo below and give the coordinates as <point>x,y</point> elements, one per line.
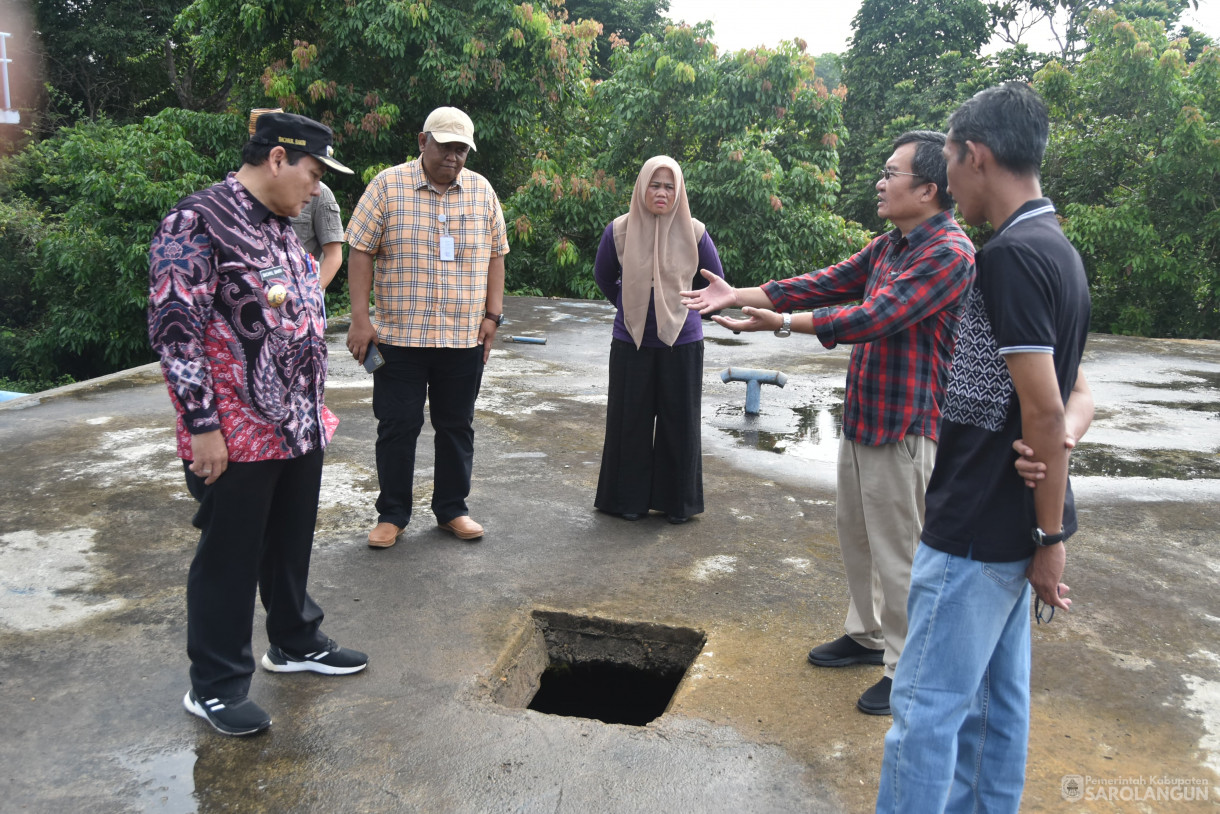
<point>1011,119</point>
<point>256,154</point>
<point>929,162</point>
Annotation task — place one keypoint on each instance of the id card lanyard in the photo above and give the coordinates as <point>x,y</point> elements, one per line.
<point>446,239</point>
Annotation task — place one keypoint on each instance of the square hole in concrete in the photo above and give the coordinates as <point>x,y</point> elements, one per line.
<point>585,667</point>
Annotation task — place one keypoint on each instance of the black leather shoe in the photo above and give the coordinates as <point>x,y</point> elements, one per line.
<point>876,699</point>
<point>677,520</point>
<point>629,516</point>
<point>844,651</point>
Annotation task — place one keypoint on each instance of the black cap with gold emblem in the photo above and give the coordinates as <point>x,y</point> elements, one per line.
<point>293,132</point>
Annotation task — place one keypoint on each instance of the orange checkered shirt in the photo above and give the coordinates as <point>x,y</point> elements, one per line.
<point>423,301</point>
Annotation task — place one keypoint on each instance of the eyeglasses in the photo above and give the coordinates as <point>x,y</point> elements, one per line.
<point>887,173</point>
<point>1040,609</point>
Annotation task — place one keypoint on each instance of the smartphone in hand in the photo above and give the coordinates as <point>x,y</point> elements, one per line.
<point>373,358</point>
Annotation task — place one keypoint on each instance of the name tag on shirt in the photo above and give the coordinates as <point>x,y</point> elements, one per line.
<point>275,274</point>
<point>447,248</point>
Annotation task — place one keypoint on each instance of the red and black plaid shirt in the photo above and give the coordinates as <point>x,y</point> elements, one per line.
<point>910,290</point>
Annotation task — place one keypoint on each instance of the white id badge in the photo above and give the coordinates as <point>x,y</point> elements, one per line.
<point>447,247</point>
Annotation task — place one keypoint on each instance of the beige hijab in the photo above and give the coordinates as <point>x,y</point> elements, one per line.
<point>660,257</point>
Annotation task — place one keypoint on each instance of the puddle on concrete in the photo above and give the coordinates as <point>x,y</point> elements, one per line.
<point>1193,406</point>
<point>812,432</point>
<point>1172,464</point>
<point>1195,380</point>
<point>165,782</point>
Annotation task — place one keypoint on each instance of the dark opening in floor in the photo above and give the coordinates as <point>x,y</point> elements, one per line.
<point>614,693</point>
<point>586,667</point>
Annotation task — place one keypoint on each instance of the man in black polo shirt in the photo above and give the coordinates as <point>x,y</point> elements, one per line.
<point>960,696</point>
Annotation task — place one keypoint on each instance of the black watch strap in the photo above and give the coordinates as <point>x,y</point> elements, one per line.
<point>1042,539</point>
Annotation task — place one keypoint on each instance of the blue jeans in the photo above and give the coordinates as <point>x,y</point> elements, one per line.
<point>961,691</point>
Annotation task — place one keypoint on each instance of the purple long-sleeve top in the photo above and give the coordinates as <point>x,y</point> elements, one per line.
<point>608,274</point>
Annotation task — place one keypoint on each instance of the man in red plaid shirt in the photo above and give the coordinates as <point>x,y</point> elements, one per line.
<point>897,301</point>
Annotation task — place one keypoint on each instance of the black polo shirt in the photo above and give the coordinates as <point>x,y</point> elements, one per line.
<point>1030,295</point>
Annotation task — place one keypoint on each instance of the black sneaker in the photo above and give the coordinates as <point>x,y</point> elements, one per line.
<point>331,660</point>
<point>844,651</point>
<point>876,699</point>
<point>235,716</point>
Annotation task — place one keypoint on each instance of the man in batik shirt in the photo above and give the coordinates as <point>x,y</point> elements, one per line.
<point>236,317</point>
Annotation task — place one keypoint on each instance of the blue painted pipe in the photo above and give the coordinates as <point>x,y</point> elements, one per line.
<point>754,380</point>
<point>528,340</point>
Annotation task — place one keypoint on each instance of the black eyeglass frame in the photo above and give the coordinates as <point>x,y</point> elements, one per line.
<point>887,173</point>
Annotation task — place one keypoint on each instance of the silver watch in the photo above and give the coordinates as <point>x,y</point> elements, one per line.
<point>785,330</point>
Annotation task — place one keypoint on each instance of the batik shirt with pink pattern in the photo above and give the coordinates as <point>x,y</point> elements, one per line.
<point>232,361</point>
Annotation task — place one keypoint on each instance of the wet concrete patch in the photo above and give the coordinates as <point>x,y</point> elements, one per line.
<point>164,782</point>
<point>812,432</point>
<point>1108,461</point>
<point>45,580</point>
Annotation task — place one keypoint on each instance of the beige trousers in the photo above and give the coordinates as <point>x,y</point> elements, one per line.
<point>879,515</point>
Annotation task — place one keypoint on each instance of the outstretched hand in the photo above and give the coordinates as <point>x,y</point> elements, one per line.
<point>716,296</point>
<point>757,319</point>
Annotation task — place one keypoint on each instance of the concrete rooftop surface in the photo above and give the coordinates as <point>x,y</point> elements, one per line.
<point>95,540</point>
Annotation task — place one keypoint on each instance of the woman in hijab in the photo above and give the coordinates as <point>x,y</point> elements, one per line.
<point>652,457</point>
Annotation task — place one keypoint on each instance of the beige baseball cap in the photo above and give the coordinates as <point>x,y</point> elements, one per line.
<point>448,124</point>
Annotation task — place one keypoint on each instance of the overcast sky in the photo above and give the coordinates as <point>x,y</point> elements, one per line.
<point>825,25</point>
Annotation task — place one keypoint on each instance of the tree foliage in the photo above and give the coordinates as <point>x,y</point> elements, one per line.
<point>1066,19</point>
<point>85,203</point>
<point>755,132</point>
<point>1134,163</point>
<point>622,21</point>
<point>373,70</point>
<point>119,59</point>
<point>922,47</point>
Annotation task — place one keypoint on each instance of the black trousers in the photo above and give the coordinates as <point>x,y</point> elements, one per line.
<point>258,522</point>
<point>653,455</point>
<point>449,380</point>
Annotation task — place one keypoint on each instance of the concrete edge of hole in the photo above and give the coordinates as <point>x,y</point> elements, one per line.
<point>648,646</point>
<point>515,676</point>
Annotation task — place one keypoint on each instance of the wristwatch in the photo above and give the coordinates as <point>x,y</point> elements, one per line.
<point>496,318</point>
<point>785,329</point>
<point>1042,539</point>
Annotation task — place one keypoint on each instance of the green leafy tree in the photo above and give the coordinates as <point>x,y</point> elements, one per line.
<point>755,132</point>
<point>22,226</point>
<point>896,42</point>
<point>625,20</point>
<point>373,70</point>
<point>118,59</point>
<point>829,68</point>
<point>1134,164</point>
<point>86,202</point>
<point>1014,20</point>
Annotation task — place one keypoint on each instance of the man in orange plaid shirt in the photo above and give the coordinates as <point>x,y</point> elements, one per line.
<point>428,239</point>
